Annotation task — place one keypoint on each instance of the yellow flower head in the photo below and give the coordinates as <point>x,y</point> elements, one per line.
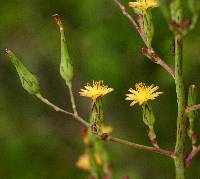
<point>144,4</point>
<point>83,162</point>
<point>142,93</point>
<point>96,90</point>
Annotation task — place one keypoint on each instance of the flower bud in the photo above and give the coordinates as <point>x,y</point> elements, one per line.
<point>192,99</point>
<point>66,68</point>
<point>29,81</point>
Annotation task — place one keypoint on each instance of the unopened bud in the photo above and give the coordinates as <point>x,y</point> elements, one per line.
<point>29,81</point>
<point>66,68</point>
<point>192,99</point>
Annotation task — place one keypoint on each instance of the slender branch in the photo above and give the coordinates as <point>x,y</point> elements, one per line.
<point>72,100</point>
<point>162,63</point>
<point>58,109</point>
<point>191,156</point>
<point>133,22</point>
<point>153,57</point>
<point>108,138</point>
<point>142,147</point>
<point>192,108</point>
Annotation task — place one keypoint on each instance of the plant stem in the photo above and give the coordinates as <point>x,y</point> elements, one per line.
<point>180,91</point>
<point>109,138</point>
<point>190,157</point>
<point>142,147</point>
<point>181,119</point>
<point>72,99</point>
<point>58,109</point>
<point>156,59</point>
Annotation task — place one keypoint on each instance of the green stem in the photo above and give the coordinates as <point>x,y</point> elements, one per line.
<point>72,99</point>
<point>58,109</point>
<point>181,119</point>
<point>95,171</point>
<point>177,17</point>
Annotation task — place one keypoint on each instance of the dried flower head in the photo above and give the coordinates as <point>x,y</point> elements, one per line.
<point>144,4</point>
<point>142,93</point>
<point>96,90</point>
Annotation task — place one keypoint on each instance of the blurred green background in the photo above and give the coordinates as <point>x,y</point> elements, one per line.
<point>36,142</point>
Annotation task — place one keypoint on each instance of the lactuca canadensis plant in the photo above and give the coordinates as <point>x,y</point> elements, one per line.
<point>95,158</point>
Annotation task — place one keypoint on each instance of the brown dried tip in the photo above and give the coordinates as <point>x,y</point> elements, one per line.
<point>58,21</point>
<point>8,52</point>
<point>192,86</point>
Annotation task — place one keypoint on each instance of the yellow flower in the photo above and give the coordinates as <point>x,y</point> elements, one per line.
<point>142,93</point>
<point>96,90</point>
<point>83,162</point>
<point>144,4</point>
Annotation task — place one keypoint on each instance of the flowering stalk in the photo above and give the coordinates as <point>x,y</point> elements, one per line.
<point>156,59</point>
<point>96,122</point>
<point>177,17</point>
<point>96,91</point>
<point>144,18</point>
<point>141,95</point>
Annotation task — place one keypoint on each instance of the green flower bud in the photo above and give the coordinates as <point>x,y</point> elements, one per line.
<point>66,68</point>
<point>192,99</point>
<point>29,81</point>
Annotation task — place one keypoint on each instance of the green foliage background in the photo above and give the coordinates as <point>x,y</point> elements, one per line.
<point>35,142</point>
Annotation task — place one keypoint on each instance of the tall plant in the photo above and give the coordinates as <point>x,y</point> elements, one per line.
<point>96,158</point>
